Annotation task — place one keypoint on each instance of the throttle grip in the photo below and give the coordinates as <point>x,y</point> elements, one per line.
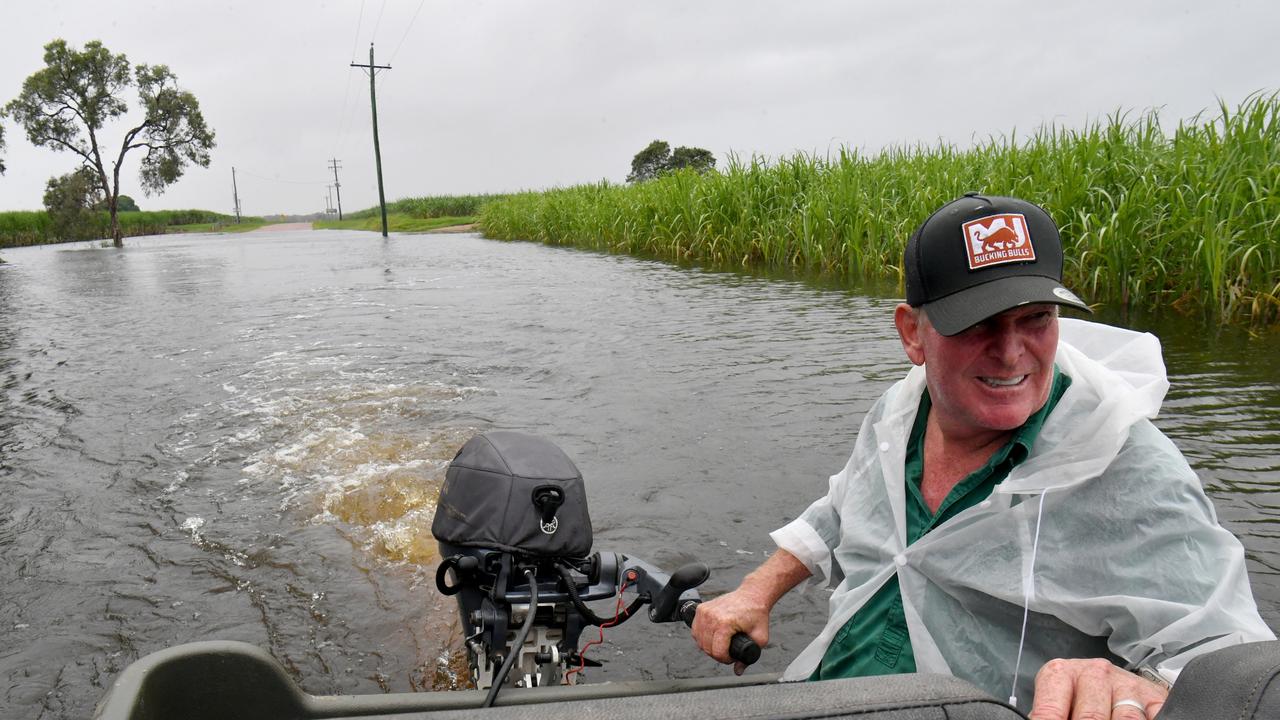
<point>741,647</point>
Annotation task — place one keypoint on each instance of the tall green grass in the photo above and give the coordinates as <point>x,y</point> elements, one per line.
<point>1150,218</point>
<point>396,222</point>
<point>435,206</point>
<point>23,228</point>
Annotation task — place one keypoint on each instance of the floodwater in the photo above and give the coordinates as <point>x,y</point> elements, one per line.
<point>241,437</point>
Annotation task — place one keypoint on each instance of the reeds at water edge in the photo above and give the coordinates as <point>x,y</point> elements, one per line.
<point>1149,217</point>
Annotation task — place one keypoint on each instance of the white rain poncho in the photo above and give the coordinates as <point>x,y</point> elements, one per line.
<point>1129,562</point>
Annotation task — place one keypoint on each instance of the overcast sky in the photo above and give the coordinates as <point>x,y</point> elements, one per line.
<point>489,96</point>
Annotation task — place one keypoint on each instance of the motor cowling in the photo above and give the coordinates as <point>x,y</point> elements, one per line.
<point>517,493</point>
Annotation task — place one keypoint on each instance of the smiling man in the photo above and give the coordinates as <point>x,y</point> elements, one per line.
<point>1009,514</point>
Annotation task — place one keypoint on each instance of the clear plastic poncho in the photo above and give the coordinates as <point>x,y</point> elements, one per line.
<point>1104,532</point>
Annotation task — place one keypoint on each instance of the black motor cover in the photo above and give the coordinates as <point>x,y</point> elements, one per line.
<point>517,493</point>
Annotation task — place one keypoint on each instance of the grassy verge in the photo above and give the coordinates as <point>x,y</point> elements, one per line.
<point>232,226</point>
<point>1188,218</point>
<point>23,228</point>
<point>396,222</point>
<point>433,206</point>
<point>420,214</point>
<point>221,226</point>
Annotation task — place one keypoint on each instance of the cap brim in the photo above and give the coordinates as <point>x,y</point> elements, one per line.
<point>959,311</point>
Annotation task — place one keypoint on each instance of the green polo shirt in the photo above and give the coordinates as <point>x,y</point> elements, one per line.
<point>875,641</point>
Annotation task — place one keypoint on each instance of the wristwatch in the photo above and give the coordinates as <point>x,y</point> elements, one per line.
<point>1148,673</point>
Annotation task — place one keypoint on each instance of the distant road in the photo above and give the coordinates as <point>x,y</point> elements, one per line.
<point>279,227</point>
<point>283,226</point>
<point>470,227</point>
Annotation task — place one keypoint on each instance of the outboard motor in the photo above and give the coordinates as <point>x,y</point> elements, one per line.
<point>515,548</point>
<point>515,542</point>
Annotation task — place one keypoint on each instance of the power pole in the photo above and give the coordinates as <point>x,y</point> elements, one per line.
<point>377,151</point>
<point>337,187</point>
<point>235,194</point>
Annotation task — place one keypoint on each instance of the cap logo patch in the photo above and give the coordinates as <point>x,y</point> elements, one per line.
<point>998,239</point>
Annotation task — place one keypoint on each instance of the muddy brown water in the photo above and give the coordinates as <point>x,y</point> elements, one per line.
<point>240,437</point>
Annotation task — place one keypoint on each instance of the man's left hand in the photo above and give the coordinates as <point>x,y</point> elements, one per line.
<point>1094,689</point>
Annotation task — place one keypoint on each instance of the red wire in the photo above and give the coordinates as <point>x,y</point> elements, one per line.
<point>617,614</point>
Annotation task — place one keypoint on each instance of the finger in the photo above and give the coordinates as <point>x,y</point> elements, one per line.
<point>705,631</point>
<point>739,668</point>
<point>697,636</point>
<point>1128,712</point>
<point>720,645</point>
<point>1055,684</point>
<point>1092,695</point>
<point>701,634</point>
<point>1145,709</point>
<point>1134,697</point>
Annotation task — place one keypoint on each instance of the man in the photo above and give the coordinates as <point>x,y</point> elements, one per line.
<point>1009,514</point>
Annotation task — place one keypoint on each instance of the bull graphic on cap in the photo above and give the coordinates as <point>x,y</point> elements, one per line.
<point>998,239</point>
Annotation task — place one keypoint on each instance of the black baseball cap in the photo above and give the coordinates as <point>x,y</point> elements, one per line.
<point>980,255</point>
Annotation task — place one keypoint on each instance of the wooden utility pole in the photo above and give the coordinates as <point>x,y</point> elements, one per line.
<point>235,194</point>
<point>377,151</point>
<point>337,186</point>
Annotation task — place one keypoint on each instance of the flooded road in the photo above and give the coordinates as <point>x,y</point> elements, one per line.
<point>241,437</point>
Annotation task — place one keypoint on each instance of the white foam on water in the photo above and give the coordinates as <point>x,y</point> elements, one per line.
<point>193,525</point>
<point>179,479</point>
<point>348,442</point>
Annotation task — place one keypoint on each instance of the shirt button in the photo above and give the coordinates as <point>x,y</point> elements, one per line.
<point>884,447</point>
<point>900,559</point>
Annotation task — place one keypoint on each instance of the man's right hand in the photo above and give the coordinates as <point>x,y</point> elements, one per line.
<point>747,608</point>
<point>720,619</point>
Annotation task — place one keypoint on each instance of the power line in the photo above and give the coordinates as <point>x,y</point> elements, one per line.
<point>356,42</point>
<point>342,116</point>
<point>378,23</point>
<point>346,93</point>
<point>406,30</point>
<point>278,180</point>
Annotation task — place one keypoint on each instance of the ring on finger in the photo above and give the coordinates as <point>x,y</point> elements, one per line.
<point>1129,702</point>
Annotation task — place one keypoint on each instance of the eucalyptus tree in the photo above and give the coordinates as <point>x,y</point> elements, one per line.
<point>66,105</point>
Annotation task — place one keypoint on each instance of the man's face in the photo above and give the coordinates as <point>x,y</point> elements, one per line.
<point>991,377</point>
